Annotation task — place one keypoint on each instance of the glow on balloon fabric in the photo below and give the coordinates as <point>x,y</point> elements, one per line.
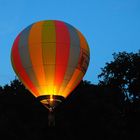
<point>50,57</point>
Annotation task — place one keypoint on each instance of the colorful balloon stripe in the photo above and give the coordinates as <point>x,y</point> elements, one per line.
<point>19,69</point>
<point>49,54</point>
<point>62,52</point>
<point>23,46</point>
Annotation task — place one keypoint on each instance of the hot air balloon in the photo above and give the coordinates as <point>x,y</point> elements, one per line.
<point>50,58</point>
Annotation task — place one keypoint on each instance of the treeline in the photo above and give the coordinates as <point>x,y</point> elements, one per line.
<point>109,110</point>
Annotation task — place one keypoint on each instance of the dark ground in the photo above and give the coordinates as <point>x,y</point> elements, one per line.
<point>90,112</point>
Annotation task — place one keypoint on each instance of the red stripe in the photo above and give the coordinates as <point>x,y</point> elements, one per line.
<point>20,69</point>
<point>62,51</point>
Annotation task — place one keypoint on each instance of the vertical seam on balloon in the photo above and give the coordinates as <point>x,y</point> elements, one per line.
<point>22,75</point>
<point>43,48</point>
<point>25,37</point>
<point>76,64</point>
<point>44,54</point>
<point>57,49</point>
<point>14,67</point>
<point>81,47</point>
<point>84,41</point>
<point>36,68</point>
<point>72,29</point>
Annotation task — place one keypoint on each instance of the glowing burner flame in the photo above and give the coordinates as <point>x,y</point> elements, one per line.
<point>51,98</point>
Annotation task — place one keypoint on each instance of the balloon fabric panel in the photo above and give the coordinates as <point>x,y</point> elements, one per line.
<point>73,57</point>
<point>20,69</point>
<point>35,50</point>
<point>62,53</point>
<point>25,57</point>
<point>49,55</point>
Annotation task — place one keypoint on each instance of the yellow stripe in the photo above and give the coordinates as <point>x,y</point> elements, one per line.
<point>35,51</point>
<point>49,53</point>
<point>77,76</point>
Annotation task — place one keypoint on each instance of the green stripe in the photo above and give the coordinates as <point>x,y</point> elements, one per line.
<point>49,50</point>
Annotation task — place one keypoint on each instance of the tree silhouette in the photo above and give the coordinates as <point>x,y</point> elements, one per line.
<point>89,112</point>
<point>1,88</point>
<point>123,74</point>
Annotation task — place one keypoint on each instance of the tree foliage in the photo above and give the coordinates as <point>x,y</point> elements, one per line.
<point>123,73</point>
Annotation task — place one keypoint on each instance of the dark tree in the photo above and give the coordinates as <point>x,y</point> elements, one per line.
<point>1,88</point>
<point>123,74</point>
<point>89,112</point>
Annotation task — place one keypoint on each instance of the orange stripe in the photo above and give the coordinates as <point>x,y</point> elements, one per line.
<point>76,83</point>
<point>76,78</point>
<point>83,42</point>
<point>35,51</point>
<point>19,69</point>
<point>78,74</point>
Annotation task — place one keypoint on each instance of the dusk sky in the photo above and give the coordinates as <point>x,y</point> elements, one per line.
<point>108,25</point>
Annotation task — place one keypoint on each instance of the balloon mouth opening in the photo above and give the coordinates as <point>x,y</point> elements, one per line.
<point>51,101</point>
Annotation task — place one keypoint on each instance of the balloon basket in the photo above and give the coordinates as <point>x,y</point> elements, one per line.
<point>51,102</point>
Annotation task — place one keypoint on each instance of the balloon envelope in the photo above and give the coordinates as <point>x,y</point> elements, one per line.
<point>50,58</point>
